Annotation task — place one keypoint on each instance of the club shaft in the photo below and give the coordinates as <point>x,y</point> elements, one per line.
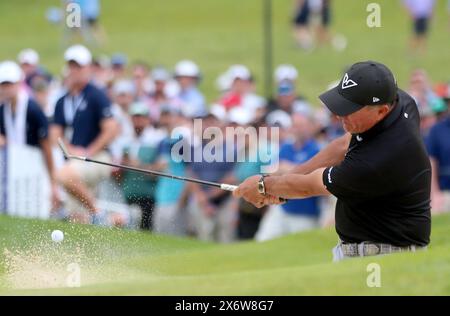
<point>158,173</point>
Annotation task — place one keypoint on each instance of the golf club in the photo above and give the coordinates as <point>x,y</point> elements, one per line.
<point>223,186</point>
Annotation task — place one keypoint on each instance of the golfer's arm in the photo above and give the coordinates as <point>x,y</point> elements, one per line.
<point>331,155</point>
<point>109,130</point>
<point>294,186</point>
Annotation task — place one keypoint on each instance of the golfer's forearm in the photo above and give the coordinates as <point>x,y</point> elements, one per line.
<point>293,186</point>
<point>331,155</point>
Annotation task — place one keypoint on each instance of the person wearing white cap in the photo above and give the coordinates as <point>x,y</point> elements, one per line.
<point>84,120</point>
<point>240,78</point>
<point>22,121</point>
<point>285,72</point>
<point>188,76</point>
<point>29,62</point>
<point>160,99</point>
<point>123,93</point>
<point>141,151</point>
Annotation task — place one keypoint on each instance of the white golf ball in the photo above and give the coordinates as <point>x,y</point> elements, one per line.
<point>57,236</point>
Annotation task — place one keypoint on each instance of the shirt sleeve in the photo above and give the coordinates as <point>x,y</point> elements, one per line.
<point>104,106</point>
<point>352,179</point>
<point>58,117</point>
<point>41,124</point>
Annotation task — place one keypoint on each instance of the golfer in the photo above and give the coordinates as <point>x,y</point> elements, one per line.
<point>379,171</point>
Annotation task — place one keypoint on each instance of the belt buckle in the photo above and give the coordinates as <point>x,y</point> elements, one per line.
<point>371,249</point>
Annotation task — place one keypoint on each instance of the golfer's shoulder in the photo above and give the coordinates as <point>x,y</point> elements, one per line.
<point>408,103</point>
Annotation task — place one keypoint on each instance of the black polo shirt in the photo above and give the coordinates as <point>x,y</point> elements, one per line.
<point>383,184</point>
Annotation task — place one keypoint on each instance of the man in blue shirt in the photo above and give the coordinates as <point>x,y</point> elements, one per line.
<point>299,214</point>
<point>83,118</point>
<point>187,75</point>
<point>438,147</point>
<point>22,121</point>
<point>213,208</point>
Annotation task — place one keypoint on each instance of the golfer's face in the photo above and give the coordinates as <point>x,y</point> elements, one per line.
<point>360,121</point>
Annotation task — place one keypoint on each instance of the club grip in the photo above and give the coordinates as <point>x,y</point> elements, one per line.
<point>228,187</point>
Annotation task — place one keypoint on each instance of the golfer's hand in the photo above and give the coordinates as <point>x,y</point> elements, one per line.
<point>2,141</point>
<point>248,190</point>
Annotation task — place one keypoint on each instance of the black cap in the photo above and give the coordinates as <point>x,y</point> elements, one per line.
<point>365,83</point>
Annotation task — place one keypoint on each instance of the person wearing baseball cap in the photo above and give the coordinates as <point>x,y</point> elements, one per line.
<point>22,121</point>
<point>188,76</point>
<point>379,171</point>
<point>83,118</point>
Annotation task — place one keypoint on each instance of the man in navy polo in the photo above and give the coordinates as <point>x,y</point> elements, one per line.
<point>22,121</point>
<point>438,148</point>
<point>83,118</point>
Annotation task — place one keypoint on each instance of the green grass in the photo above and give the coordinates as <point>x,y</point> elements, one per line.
<point>218,33</point>
<point>117,262</point>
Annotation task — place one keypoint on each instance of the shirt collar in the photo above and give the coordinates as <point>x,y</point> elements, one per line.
<point>384,124</point>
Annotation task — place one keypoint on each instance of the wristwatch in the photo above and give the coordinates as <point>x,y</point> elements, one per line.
<point>261,185</point>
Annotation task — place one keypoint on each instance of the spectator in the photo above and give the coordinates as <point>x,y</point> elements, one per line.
<point>22,121</point>
<point>421,12</point>
<point>41,89</point>
<point>123,96</point>
<point>119,65</point>
<point>29,62</point>
<point>90,29</point>
<point>84,119</point>
<point>240,78</point>
<point>213,208</point>
<point>241,92</point>
<point>160,98</point>
<point>188,76</point>
<point>141,152</point>
<point>420,89</point>
<point>101,72</point>
<point>286,72</point>
<point>295,215</point>
<point>287,97</point>
<point>141,79</point>
<point>304,30</point>
<point>249,217</point>
<point>282,120</point>
<point>170,212</point>
<point>438,146</point>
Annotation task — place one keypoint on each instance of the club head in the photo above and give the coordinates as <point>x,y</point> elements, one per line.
<point>63,148</point>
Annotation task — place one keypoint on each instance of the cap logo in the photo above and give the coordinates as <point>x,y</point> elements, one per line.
<point>347,83</point>
<point>375,99</point>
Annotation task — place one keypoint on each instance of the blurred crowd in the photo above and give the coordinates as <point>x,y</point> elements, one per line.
<point>112,110</point>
